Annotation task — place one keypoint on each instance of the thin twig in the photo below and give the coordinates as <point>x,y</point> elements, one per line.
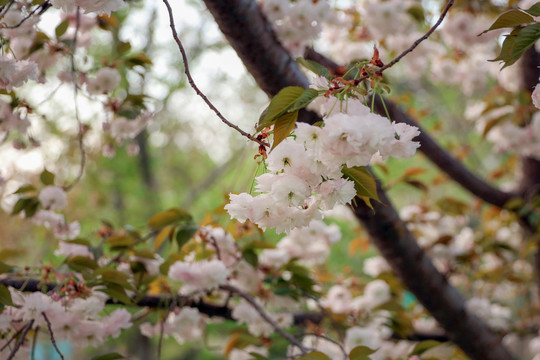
<point>20,340</point>
<point>53,341</point>
<point>43,8</point>
<point>160,343</point>
<point>34,343</point>
<point>10,340</point>
<point>194,86</point>
<point>75,93</point>
<point>4,9</point>
<point>417,42</point>
<point>265,316</point>
<point>162,330</point>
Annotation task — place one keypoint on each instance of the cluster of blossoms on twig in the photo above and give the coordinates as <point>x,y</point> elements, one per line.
<point>500,128</point>
<point>89,6</point>
<point>78,319</point>
<point>306,175</point>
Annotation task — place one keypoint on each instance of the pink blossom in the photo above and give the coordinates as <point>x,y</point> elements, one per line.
<point>53,197</point>
<point>536,96</point>
<point>112,324</point>
<point>198,276</point>
<point>72,249</point>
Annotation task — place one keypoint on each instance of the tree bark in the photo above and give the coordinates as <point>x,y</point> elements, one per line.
<point>250,34</point>
<point>530,167</point>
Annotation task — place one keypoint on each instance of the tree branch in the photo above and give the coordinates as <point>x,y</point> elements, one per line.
<point>417,42</point>
<point>195,87</point>
<point>247,29</point>
<point>20,340</point>
<point>291,339</point>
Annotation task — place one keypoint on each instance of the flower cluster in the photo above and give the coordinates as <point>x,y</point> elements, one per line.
<point>523,140</point>
<point>310,245</point>
<point>183,324</point>
<point>305,170</point>
<point>62,229</point>
<point>200,275</point>
<point>245,313</point>
<point>10,120</point>
<point>340,301</point>
<point>55,198</point>
<point>89,6</point>
<point>15,73</point>
<point>76,319</point>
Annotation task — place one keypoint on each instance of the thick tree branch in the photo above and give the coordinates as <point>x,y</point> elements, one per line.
<point>530,167</point>
<point>155,301</point>
<point>247,30</point>
<point>437,155</point>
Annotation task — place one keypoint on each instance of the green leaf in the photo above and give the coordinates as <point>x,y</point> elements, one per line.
<point>4,268</point>
<point>255,356</point>
<point>130,113</point>
<point>185,233</point>
<point>524,40</point>
<point>417,12</point>
<point>315,67</point>
<point>20,205</point>
<point>120,242</point>
<point>25,189</point>
<point>251,257</point>
<point>424,346</point>
<point>364,183</point>
<point>314,355</point>
<point>109,356</point>
<point>283,127</point>
<point>61,28</point>
<point>46,177</point>
<point>534,10</point>
<point>279,105</point>
<point>81,263</point>
<point>507,47</point>
<point>361,353</point>
<point>78,241</point>
<point>491,123</point>
<point>115,277</point>
<point>138,59</point>
<point>168,217</point>
<point>144,253</point>
<point>122,47</point>
<point>259,244</point>
<point>304,100</point>
<point>164,234</point>
<point>5,296</point>
<point>511,18</point>
<point>29,205</point>
<point>117,293</point>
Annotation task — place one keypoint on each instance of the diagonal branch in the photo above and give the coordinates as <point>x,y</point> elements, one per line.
<point>247,29</point>
<point>437,155</point>
<point>291,339</point>
<point>195,87</point>
<point>417,42</point>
